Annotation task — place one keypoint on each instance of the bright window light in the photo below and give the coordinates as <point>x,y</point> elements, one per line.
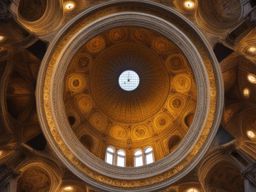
<point>129,80</point>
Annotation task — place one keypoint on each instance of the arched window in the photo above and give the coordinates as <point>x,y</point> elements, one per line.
<point>149,156</point>
<point>120,158</point>
<point>138,158</point>
<point>110,155</point>
<point>115,157</point>
<point>144,157</point>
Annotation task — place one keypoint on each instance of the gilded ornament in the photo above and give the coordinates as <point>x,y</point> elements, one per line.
<point>182,83</point>
<point>65,151</point>
<point>162,121</point>
<point>76,82</point>
<point>141,35</point>
<point>176,63</point>
<point>118,34</point>
<point>96,44</point>
<point>99,121</point>
<point>84,103</point>
<point>161,45</point>
<point>118,132</point>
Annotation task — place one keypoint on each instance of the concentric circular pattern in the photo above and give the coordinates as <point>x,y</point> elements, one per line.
<point>34,179</point>
<point>120,105</point>
<point>220,14</point>
<point>129,80</point>
<point>150,108</point>
<point>85,60</point>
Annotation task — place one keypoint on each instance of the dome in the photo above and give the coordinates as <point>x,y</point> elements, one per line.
<point>178,94</point>
<point>127,95</point>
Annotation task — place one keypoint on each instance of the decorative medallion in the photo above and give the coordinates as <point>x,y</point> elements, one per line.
<point>144,111</point>
<point>175,63</point>
<point>118,34</point>
<point>76,82</point>
<point>84,103</point>
<point>182,83</point>
<point>96,45</point>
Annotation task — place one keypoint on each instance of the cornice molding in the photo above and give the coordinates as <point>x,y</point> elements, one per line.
<point>51,107</point>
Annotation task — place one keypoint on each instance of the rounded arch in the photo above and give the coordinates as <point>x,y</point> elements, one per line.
<point>80,160</point>
<point>219,15</point>
<point>225,176</point>
<point>87,141</point>
<point>173,142</point>
<point>34,179</point>
<point>38,175</point>
<point>219,171</point>
<point>45,21</point>
<point>189,119</point>
<point>32,10</point>
<point>71,120</point>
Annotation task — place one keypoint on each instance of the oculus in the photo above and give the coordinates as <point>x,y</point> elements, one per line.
<point>129,80</point>
<point>141,35</point>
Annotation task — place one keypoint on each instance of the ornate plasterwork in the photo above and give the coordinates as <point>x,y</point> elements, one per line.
<point>221,16</point>
<point>243,46</point>
<point>211,175</point>
<point>207,116</point>
<point>137,119</point>
<point>47,24</point>
<point>38,175</point>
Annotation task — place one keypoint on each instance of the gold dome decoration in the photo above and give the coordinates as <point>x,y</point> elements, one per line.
<point>118,132</point>
<point>163,121</point>
<point>91,169</point>
<point>176,103</point>
<point>161,45</point>
<point>76,82</point>
<point>96,44</point>
<point>116,103</point>
<point>131,115</point>
<point>84,103</point>
<point>118,34</point>
<point>34,179</point>
<point>182,83</point>
<point>99,121</point>
<point>142,35</point>
<point>189,119</point>
<point>139,132</point>
<point>176,63</point>
<point>84,62</point>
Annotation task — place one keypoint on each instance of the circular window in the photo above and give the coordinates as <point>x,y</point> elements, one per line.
<point>129,80</point>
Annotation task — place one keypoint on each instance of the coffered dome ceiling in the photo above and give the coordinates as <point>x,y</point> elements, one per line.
<point>156,109</point>
<point>174,99</point>
<point>127,95</point>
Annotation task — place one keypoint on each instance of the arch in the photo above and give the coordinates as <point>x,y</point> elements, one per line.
<point>223,14</point>
<point>226,177</point>
<point>121,158</point>
<point>115,156</point>
<point>189,119</point>
<point>38,175</point>
<point>71,120</point>
<point>138,158</point>
<point>87,141</point>
<point>110,155</point>
<point>149,155</point>
<point>34,179</point>
<point>173,142</point>
<point>219,171</point>
<point>46,21</point>
<point>32,10</point>
<point>194,48</point>
<point>143,157</point>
